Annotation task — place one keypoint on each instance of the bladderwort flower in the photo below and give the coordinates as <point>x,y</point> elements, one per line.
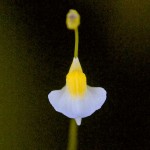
<point>76,99</point>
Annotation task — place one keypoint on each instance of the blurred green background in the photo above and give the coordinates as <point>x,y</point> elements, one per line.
<point>36,51</point>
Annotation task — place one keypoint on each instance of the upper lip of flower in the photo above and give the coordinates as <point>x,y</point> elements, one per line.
<point>75,65</point>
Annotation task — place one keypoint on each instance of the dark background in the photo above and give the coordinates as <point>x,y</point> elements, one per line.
<point>36,51</point>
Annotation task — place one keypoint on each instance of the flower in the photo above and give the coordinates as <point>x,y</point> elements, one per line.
<point>76,99</point>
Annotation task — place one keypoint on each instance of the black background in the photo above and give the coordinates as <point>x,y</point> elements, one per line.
<point>36,52</point>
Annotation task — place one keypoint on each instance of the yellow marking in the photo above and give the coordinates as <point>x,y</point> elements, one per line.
<point>76,83</point>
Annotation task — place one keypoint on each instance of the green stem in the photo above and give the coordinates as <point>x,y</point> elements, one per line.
<point>76,43</point>
<point>73,129</point>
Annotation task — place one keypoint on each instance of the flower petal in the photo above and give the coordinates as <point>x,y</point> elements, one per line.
<point>77,107</point>
<point>93,100</point>
<point>63,102</point>
<point>78,121</point>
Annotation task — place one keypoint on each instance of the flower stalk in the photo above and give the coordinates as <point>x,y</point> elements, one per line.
<point>72,137</point>
<point>76,42</point>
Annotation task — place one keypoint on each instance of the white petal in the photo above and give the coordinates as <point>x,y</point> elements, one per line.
<point>78,121</point>
<point>63,102</point>
<point>93,100</point>
<point>55,98</point>
<point>77,107</point>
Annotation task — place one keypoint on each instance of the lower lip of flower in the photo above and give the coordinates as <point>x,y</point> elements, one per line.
<point>76,83</point>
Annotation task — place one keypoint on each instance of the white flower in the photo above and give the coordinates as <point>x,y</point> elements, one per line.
<point>76,99</point>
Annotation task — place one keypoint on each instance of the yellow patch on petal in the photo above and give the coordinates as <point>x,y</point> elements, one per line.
<point>76,83</point>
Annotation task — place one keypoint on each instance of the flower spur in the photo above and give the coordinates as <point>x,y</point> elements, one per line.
<point>76,99</point>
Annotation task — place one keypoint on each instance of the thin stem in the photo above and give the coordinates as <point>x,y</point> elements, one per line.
<point>73,129</point>
<point>76,43</point>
